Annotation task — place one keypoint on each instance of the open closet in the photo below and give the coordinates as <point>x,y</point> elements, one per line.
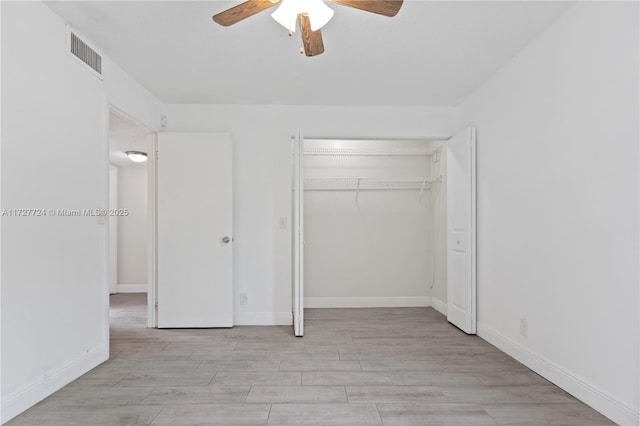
<point>385,223</point>
<point>374,222</point>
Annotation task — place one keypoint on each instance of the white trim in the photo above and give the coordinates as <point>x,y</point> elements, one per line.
<point>298,235</point>
<point>132,288</point>
<point>265,318</point>
<point>564,378</point>
<point>106,276</point>
<point>38,389</point>
<point>439,305</point>
<point>152,221</point>
<point>366,302</point>
<point>113,225</point>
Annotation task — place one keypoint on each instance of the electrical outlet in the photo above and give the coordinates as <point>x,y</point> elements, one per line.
<point>244,299</point>
<point>523,327</point>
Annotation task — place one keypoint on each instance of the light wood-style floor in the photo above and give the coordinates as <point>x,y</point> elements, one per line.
<point>391,366</point>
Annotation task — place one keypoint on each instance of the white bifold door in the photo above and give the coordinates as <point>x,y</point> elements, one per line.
<point>461,230</point>
<point>297,229</point>
<point>194,230</point>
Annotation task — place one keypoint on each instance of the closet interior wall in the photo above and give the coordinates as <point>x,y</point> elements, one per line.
<point>371,218</point>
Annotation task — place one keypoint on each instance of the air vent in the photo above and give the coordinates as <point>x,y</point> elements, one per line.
<point>82,51</point>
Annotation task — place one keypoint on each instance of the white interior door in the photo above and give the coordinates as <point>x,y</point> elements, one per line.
<point>298,236</point>
<point>461,230</point>
<point>194,230</point>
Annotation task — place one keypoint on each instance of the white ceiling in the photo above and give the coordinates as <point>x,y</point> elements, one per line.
<point>431,53</point>
<point>125,135</point>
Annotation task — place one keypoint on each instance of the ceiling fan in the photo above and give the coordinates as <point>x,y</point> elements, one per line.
<point>311,15</point>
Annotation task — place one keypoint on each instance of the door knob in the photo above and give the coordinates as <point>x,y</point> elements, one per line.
<point>226,240</point>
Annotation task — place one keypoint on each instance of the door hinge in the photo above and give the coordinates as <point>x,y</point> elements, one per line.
<point>156,306</point>
<point>156,155</point>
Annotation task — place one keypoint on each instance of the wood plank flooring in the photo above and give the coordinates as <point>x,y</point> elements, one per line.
<point>391,366</point>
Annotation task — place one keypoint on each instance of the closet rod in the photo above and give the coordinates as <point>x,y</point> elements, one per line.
<point>368,154</point>
<point>364,184</point>
<point>367,184</point>
<point>415,188</point>
<point>375,179</point>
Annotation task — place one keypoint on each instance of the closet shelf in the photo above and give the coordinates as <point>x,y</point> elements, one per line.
<point>368,184</point>
<point>369,152</point>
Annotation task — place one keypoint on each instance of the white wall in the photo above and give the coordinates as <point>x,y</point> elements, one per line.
<point>54,156</point>
<point>262,180</point>
<point>133,228</point>
<point>558,205</point>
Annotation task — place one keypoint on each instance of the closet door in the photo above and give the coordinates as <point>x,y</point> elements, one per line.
<point>461,232</point>
<point>194,230</point>
<point>298,236</point>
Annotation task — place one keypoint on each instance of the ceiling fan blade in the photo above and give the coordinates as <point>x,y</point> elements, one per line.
<point>312,40</point>
<point>381,7</point>
<point>243,11</point>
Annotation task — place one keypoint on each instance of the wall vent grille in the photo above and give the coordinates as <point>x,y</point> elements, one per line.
<point>86,54</point>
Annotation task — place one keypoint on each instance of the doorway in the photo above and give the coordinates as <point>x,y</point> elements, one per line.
<point>363,239</point>
<point>129,143</point>
<point>369,213</point>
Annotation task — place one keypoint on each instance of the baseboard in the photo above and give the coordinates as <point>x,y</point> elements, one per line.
<point>439,305</point>
<point>132,288</point>
<point>268,318</point>
<point>366,302</point>
<point>565,379</point>
<point>38,389</point>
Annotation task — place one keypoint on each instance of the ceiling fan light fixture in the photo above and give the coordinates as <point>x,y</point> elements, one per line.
<point>319,15</point>
<point>287,13</point>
